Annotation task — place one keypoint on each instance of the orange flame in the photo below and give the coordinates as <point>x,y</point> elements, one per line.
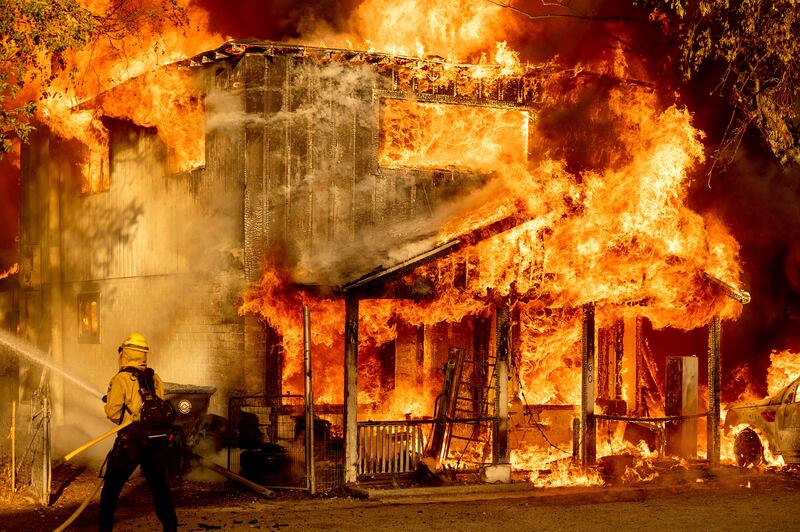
<point>617,234</point>
<point>455,29</point>
<point>164,98</point>
<point>784,368</point>
<point>14,269</point>
<point>423,135</point>
<point>620,237</point>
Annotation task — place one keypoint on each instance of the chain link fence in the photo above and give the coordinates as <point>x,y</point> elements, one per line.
<point>267,443</point>
<point>25,458</point>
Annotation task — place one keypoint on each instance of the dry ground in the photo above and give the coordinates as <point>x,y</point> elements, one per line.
<point>722,501</point>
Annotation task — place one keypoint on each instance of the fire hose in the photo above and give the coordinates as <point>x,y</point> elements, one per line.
<point>97,486</point>
<point>205,462</point>
<point>98,439</point>
<point>81,508</point>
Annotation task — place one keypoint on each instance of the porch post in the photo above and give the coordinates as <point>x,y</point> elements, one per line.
<point>350,390</point>
<point>588,432</point>
<point>500,454</point>
<point>311,481</point>
<point>714,385</point>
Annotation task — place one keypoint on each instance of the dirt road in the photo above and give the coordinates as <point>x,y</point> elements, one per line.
<point>768,504</point>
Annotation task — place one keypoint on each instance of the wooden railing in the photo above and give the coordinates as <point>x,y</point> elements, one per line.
<point>390,447</point>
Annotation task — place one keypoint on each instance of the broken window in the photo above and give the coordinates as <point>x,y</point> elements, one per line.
<point>88,318</point>
<point>441,135</point>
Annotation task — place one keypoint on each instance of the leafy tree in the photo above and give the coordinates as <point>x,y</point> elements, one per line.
<point>752,48</point>
<point>36,37</point>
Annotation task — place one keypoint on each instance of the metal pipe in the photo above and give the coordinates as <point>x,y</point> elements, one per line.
<point>309,400</point>
<point>55,287</point>
<point>13,446</point>
<point>639,419</point>
<point>47,466</point>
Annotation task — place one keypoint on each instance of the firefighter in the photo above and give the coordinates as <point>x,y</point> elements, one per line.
<point>132,448</point>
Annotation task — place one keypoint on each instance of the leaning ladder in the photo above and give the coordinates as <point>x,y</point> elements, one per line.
<point>471,414</point>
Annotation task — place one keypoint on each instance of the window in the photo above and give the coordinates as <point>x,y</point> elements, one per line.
<point>88,318</point>
<point>438,135</point>
<point>94,170</point>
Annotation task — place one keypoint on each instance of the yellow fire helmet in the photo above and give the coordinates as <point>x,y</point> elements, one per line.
<point>137,342</point>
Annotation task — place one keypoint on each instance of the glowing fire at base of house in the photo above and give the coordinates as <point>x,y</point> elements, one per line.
<point>618,237</point>
<point>586,173</point>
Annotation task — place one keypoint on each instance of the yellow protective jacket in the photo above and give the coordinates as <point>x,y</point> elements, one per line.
<point>123,390</point>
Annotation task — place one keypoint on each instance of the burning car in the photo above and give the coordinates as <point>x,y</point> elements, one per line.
<point>775,418</point>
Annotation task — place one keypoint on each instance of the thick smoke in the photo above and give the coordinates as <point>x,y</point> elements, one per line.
<point>328,95</point>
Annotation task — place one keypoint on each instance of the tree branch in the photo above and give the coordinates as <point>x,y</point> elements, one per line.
<point>576,15</point>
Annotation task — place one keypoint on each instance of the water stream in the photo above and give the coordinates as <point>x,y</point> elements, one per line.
<point>39,357</point>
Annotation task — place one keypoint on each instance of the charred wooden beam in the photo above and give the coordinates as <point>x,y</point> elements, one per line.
<point>714,387</point>
<point>500,450</point>
<point>436,445</point>
<point>374,279</point>
<point>731,291</point>
<point>370,282</point>
<point>449,99</point>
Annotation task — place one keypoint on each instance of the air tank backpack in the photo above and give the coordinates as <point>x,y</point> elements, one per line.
<point>156,415</point>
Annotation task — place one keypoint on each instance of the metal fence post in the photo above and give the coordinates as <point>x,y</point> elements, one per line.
<point>47,465</point>
<point>13,446</point>
<point>309,400</point>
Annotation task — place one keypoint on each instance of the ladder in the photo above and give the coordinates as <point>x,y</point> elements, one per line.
<point>471,412</point>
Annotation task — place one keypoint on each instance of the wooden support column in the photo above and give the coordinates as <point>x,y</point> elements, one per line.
<point>350,426</point>
<point>500,451</point>
<point>55,292</point>
<point>588,432</point>
<point>714,386</point>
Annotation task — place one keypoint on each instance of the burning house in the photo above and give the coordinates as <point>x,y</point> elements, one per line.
<point>473,297</point>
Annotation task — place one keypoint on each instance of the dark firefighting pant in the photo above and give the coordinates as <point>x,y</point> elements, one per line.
<point>121,462</point>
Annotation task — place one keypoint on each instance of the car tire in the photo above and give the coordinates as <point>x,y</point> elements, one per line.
<point>748,448</point>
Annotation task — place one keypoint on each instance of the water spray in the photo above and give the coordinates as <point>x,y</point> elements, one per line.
<point>39,357</point>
